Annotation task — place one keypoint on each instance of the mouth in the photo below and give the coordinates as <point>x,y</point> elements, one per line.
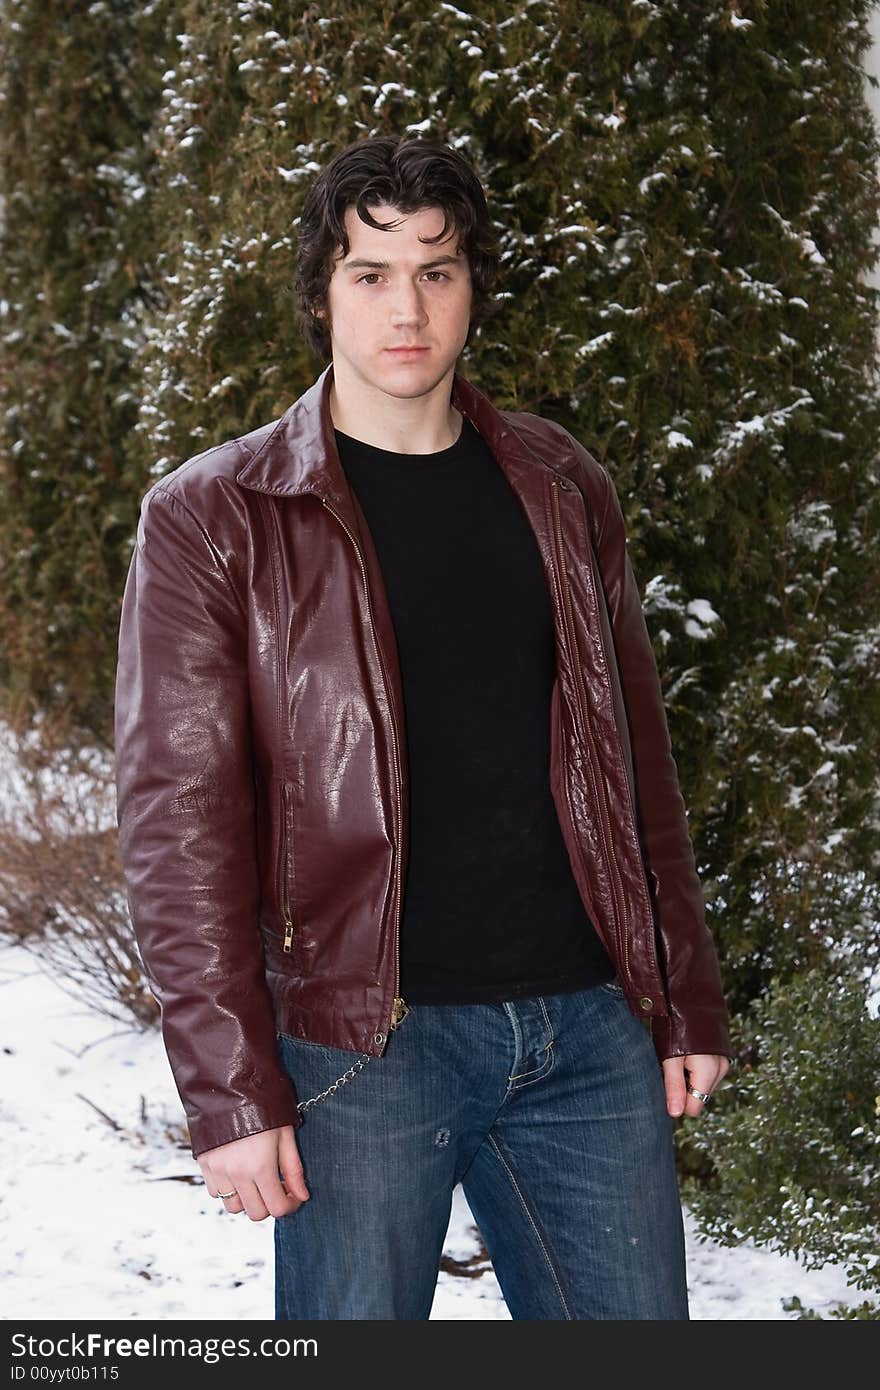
<point>406,351</point>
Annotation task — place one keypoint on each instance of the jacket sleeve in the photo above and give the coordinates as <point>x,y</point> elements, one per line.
<point>698,1019</point>
<point>186,819</point>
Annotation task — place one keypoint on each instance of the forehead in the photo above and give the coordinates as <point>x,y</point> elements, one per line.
<point>406,233</point>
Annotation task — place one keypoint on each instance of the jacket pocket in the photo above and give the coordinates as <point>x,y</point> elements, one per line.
<point>283,879</point>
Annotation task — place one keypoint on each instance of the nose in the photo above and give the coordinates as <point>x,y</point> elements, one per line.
<point>407,306</point>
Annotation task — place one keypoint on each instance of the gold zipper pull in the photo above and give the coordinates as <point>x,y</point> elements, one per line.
<point>399,1012</point>
<point>288,933</point>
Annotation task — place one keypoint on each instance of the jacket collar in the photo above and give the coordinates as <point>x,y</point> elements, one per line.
<point>299,454</point>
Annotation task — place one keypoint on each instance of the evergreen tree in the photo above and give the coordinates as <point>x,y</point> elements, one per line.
<point>686,195</point>
<point>78,85</point>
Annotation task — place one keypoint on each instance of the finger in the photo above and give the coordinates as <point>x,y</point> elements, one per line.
<point>231,1204</point>
<point>290,1164</point>
<point>673,1080</point>
<point>249,1196</point>
<point>216,1182</point>
<point>693,1106</point>
<point>278,1198</point>
<point>702,1075</point>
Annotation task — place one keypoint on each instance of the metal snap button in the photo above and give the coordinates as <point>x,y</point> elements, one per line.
<point>378,1037</point>
<point>646,1003</point>
<point>565,484</point>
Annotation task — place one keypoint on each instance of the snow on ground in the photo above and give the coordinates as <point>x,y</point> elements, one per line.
<point>104,1214</point>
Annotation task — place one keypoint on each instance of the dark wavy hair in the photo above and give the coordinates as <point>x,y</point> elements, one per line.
<point>409,173</point>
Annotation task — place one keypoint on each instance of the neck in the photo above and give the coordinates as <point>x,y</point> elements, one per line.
<point>407,425</point>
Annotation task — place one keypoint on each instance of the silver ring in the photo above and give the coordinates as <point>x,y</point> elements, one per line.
<point>700,1095</point>
<point>233,1193</point>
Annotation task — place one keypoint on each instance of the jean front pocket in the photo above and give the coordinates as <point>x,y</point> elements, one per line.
<point>311,1066</point>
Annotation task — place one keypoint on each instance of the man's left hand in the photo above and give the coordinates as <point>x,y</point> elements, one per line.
<point>702,1070</point>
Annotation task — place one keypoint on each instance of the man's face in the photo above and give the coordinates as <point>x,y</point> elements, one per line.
<point>393,290</point>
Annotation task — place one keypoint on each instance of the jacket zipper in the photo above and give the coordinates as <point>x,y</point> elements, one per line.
<point>398,1008</point>
<point>619,902</point>
<point>283,866</point>
<point>284,871</point>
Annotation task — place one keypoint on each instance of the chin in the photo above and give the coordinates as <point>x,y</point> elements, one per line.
<point>413,383</point>
<point>433,364</point>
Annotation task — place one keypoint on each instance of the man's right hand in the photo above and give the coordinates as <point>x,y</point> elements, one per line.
<point>251,1166</point>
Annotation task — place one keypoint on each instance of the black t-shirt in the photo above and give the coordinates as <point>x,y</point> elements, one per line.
<point>491,910</point>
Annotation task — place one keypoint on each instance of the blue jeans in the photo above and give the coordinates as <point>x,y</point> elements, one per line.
<point>549,1111</point>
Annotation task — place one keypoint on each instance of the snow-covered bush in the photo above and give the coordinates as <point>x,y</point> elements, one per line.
<point>62,894</point>
<point>793,1136</point>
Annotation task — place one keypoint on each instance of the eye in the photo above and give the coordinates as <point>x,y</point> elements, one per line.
<point>374,275</point>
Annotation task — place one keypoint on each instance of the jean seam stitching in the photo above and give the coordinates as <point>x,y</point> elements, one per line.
<point>537,1074</point>
<point>546,1017</point>
<point>543,1069</point>
<point>534,1225</point>
<point>519,1074</point>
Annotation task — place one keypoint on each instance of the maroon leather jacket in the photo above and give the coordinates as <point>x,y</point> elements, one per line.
<point>261,761</point>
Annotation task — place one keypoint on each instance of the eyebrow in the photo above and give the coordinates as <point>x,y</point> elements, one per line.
<point>361,264</point>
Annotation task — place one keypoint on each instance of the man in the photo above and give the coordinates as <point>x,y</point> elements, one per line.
<point>405,849</point>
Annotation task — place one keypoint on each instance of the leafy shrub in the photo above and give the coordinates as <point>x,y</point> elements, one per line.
<point>793,1135</point>
<point>62,893</point>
